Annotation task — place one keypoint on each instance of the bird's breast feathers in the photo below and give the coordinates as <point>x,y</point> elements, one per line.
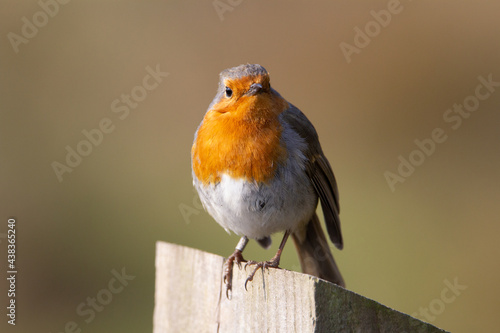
<point>244,142</point>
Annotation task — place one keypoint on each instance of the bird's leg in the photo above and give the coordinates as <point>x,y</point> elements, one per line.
<point>274,262</point>
<point>228,266</point>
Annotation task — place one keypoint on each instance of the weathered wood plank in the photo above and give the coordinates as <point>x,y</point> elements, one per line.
<point>190,297</point>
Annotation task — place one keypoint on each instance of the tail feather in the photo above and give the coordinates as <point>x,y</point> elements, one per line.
<point>314,254</point>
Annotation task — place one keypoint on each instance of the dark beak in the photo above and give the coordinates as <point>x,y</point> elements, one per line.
<point>255,88</point>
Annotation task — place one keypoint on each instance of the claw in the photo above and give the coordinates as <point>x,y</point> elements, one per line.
<point>250,262</point>
<point>228,270</point>
<point>261,265</point>
<point>273,263</point>
<point>246,281</point>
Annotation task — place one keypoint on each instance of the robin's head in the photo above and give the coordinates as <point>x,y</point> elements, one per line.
<point>245,91</point>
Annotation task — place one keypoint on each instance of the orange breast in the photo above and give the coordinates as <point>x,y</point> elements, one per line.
<point>241,139</point>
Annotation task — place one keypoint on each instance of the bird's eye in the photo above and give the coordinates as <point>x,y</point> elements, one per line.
<point>229,92</point>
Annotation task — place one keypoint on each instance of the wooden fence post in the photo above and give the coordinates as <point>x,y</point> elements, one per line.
<point>190,297</point>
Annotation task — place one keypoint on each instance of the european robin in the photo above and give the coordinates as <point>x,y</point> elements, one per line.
<point>259,169</point>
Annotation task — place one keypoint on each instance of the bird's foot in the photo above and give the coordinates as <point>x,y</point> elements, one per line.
<point>228,270</point>
<point>273,263</point>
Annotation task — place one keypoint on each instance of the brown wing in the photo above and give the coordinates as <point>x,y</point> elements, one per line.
<point>320,173</point>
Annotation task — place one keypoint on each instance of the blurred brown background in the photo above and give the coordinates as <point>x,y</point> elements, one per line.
<point>403,248</point>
